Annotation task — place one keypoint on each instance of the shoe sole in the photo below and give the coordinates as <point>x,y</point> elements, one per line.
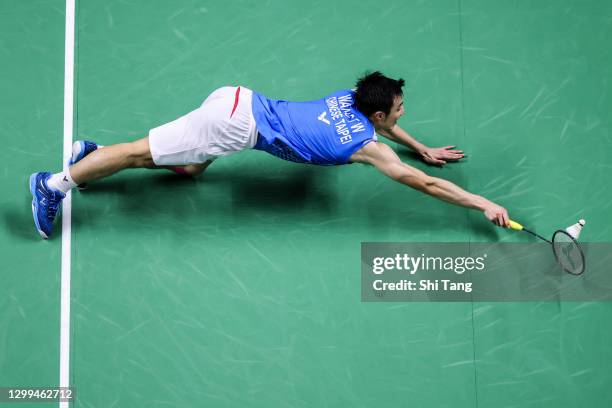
<point>78,148</point>
<point>35,205</point>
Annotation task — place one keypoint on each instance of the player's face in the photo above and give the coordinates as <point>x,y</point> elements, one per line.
<point>397,110</point>
<point>386,121</point>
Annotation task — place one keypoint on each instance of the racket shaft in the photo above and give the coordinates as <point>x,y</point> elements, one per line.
<point>537,235</point>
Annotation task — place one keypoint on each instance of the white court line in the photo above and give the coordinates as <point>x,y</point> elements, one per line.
<point>64,380</point>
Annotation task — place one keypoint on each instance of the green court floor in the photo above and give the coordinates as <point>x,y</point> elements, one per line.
<point>242,288</point>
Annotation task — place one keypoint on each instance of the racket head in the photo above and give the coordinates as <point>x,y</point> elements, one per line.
<point>568,253</point>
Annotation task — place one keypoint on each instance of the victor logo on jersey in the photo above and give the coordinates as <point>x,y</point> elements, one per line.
<point>322,118</point>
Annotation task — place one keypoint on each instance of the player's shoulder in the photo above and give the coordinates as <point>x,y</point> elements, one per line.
<point>374,151</point>
<point>368,152</point>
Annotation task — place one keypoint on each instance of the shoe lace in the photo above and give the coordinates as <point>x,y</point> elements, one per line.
<point>54,203</point>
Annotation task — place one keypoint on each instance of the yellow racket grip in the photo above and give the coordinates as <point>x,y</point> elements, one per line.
<point>515,225</point>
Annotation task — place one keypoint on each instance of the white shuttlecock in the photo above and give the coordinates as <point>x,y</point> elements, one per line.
<point>574,230</point>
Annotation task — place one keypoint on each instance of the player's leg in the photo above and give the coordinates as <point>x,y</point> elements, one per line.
<point>103,162</point>
<point>82,148</point>
<point>48,190</point>
<point>111,159</point>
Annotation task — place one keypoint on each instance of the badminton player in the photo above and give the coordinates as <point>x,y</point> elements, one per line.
<point>339,129</point>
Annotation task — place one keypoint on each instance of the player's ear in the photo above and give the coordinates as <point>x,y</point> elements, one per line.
<point>378,116</point>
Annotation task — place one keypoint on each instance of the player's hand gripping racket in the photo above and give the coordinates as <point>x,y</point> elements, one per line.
<point>567,251</point>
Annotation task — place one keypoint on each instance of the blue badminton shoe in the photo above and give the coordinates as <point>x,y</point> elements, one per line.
<point>45,203</point>
<point>80,149</point>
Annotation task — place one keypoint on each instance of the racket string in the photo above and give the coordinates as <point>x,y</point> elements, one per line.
<point>568,253</point>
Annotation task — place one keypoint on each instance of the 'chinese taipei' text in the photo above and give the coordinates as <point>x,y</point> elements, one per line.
<point>340,110</point>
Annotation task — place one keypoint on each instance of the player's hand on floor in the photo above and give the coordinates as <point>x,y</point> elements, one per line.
<point>440,155</point>
<point>497,214</point>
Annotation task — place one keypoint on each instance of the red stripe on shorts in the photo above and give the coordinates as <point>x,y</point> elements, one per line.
<point>236,98</point>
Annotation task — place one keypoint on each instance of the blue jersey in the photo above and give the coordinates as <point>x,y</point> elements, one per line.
<point>325,131</point>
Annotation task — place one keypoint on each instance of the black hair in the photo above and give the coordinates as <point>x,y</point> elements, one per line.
<point>375,92</point>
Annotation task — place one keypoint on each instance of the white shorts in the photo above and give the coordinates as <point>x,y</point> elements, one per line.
<point>223,125</point>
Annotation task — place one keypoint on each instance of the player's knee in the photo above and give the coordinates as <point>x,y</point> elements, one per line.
<point>139,154</point>
<point>193,170</point>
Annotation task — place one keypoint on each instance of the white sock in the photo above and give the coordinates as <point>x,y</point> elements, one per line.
<point>61,181</point>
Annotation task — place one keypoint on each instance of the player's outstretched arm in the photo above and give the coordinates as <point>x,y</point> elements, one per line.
<point>432,155</point>
<point>387,162</point>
